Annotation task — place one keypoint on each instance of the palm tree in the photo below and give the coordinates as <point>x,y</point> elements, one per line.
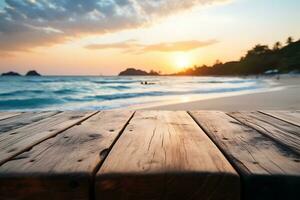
<point>290,40</point>
<point>277,46</point>
<point>218,62</point>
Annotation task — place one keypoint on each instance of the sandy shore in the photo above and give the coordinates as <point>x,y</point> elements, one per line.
<point>287,98</point>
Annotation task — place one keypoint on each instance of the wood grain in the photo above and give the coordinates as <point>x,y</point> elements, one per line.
<point>268,170</point>
<point>62,167</point>
<point>280,131</point>
<point>292,117</point>
<point>23,120</point>
<point>165,155</point>
<point>18,140</point>
<point>5,115</point>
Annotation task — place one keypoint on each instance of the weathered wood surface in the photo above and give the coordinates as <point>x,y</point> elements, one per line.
<point>165,155</point>
<point>154,155</point>
<point>23,120</point>
<point>281,131</point>
<point>18,140</point>
<point>63,167</point>
<point>268,170</point>
<point>5,115</point>
<point>292,117</point>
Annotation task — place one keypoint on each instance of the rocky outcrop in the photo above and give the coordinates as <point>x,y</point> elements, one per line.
<point>11,73</point>
<point>32,73</point>
<point>137,72</point>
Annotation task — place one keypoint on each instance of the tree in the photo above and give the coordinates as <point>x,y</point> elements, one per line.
<point>277,46</point>
<point>153,73</point>
<point>218,62</point>
<point>258,50</point>
<point>290,40</point>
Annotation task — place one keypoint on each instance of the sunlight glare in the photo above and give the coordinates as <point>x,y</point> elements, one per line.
<point>182,61</point>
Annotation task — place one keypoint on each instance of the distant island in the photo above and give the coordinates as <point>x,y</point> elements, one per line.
<point>32,73</point>
<point>137,72</point>
<point>10,74</point>
<point>29,73</point>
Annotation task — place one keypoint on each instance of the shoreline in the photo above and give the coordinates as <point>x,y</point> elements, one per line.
<point>283,95</point>
<point>270,93</point>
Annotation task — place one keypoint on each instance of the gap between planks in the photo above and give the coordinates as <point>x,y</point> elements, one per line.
<point>268,170</point>
<point>24,119</point>
<point>291,117</point>
<point>105,153</point>
<point>214,141</point>
<point>7,115</point>
<point>280,131</point>
<point>165,154</point>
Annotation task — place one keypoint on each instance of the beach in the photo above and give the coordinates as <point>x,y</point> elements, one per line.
<point>285,95</point>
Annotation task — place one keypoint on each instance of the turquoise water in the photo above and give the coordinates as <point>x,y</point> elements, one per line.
<point>88,93</point>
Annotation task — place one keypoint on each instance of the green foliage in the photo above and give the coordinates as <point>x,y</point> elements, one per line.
<point>257,60</point>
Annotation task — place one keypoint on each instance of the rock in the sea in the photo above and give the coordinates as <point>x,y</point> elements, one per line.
<point>10,74</point>
<point>137,72</point>
<point>33,73</point>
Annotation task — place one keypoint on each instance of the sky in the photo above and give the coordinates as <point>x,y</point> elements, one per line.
<point>104,37</point>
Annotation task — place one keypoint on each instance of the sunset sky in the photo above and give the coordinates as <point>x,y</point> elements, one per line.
<point>92,37</point>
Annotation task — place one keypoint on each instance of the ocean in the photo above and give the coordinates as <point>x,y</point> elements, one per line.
<point>102,93</point>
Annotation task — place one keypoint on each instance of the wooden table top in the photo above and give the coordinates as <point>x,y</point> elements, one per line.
<point>206,155</point>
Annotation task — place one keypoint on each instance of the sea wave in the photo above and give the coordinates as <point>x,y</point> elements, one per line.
<point>224,81</point>
<point>117,87</point>
<point>75,93</point>
<point>116,81</point>
<point>65,91</point>
<point>132,95</point>
<point>28,103</point>
<point>21,93</point>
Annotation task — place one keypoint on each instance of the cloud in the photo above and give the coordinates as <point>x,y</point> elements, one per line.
<point>25,24</point>
<point>134,46</point>
<point>119,45</point>
<point>178,46</point>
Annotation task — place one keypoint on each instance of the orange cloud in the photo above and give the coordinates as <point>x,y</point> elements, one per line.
<point>134,46</point>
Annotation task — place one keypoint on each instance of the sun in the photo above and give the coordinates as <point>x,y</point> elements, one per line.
<point>182,61</point>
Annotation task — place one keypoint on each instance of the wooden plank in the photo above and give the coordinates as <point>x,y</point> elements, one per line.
<point>282,132</point>
<point>268,170</point>
<point>62,167</point>
<point>23,120</point>
<point>292,117</point>
<point>165,155</point>
<point>5,115</point>
<point>18,140</point>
